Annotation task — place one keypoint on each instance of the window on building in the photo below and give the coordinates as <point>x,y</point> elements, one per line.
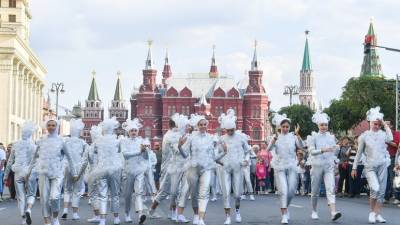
<point>146,110</point>
<point>12,18</point>
<point>147,132</point>
<point>256,134</point>
<point>12,3</point>
<point>150,109</point>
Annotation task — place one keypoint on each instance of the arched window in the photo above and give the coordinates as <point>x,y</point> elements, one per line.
<point>256,133</point>
<point>147,132</point>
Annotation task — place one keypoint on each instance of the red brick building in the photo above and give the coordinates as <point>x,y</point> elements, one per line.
<point>209,94</point>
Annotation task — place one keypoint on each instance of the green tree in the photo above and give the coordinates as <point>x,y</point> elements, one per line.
<point>359,95</point>
<point>300,114</point>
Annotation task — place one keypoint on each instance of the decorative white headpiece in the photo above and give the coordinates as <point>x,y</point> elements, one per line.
<point>228,120</point>
<point>278,118</point>
<point>77,125</point>
<point>146,141</point>
<point>194,119</point>
<point>374,114</point>
<point>30,127</point>
<point>132,124</point>
<point>180,121</point>
<point>109,124</point>
<point>95,131</point>
<point>319,118</point>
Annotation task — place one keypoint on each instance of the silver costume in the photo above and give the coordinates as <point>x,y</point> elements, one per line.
<point>149,173</point>
<point>108,172</point>
<point>76,148</point>
<point>230,174</point>
<point>49,158</point>
<point>136,163</point>
<point>377,159</point>
<point>285,166</point>
<point>200,148</point>
<point>322,165</point>
<point>21,156</point>
<point>246,173</point>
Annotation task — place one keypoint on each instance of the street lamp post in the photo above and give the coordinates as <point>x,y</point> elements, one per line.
<point>291,90</point>
<point>57,88</point>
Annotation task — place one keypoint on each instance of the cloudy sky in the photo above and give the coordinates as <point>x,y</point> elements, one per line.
<point>72,38</point>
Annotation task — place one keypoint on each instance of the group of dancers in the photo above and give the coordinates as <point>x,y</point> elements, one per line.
<point>192,160</point>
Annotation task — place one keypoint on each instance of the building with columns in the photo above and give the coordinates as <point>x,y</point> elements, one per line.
<point>209,94</point>
<point>307,93</point>
<point>21,73</point>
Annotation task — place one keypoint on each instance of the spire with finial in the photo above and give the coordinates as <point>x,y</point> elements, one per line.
<point>149,60</point>
<point>255,63</point>
<point>93,93</point>
<point>213,69</point>
<point>118,89</point>
<point>167,69</point>
<point>306,66</point>
<point>371,64</point>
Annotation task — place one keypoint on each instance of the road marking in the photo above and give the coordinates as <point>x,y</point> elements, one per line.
<point>2,209</point>
<point>296,206</point>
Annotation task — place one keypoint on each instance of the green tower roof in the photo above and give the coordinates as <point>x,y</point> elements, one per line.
<point>371,64</point>
<point>306,66</point>
<point>118,90</point>
<point>93,93</point>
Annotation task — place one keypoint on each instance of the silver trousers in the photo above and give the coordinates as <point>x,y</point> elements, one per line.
<point>377,181</point>
<point>327,174</point>
<point>134,183</point>
<point>72,190</point>
<point>199,181</point>
<point>247,179</point>
<point>215,186</point>
<point>149,181</point>
<point>93,194</point>
<point>170,186</point>
<point>231,180</point>
<point>25,192</point>
<point>286,183</point>
<point>50,194</point>
<point>185,192</point>
<point>112,183</point>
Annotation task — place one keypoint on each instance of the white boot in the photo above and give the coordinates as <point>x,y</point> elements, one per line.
<point>227,220</point>
<point>252,198</point>
<point>75,216</point>
<point>128,219</point>
<point>196,219</point>
<point>174,215</point>
<point>201,222</point>
<point>117,221</point>
<point>380,219</point>
<point>372,217</point>
<point>182,219</point>
<point>314,215</point>
<point>284,219</point>
<point>102,222</point>
<point>55,221</point>
<point>238,217</point>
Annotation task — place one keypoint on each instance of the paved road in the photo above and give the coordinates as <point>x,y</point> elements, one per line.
<point>260,212</point>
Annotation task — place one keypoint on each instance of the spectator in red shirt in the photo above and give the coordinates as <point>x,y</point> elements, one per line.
<point>392,149</point>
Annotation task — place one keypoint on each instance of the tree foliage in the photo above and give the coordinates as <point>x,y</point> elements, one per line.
<point>359,95</point>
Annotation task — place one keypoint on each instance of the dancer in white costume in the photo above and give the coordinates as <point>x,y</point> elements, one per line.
<point>237,156</point>
<point>373,144</point>
<point>21,156</point>
<point>246,170</point>
<point>201,153</point>
<point>174,171</point>
<point>323,152</point>
<point>90,159</point>
<point>136,164</point>
<point>108,170</point>
<point>284,162</point>
<point>49,157</point>
<point>150,185</point>
<point>76,148</point>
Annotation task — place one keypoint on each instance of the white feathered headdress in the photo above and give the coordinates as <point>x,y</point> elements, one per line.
<point>181,121</point>
<point>109,124</point>
<point>319,118</point>
<point>278,118</point>
<point>194,119</point>
<point>76,125</point>
<point>132,124</point>
<point>228,120</point>
<point>374,114</point>
<point>30,127</point>
<point>95,131</point>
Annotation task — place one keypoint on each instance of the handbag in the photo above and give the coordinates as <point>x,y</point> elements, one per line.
<point>396,181</point>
